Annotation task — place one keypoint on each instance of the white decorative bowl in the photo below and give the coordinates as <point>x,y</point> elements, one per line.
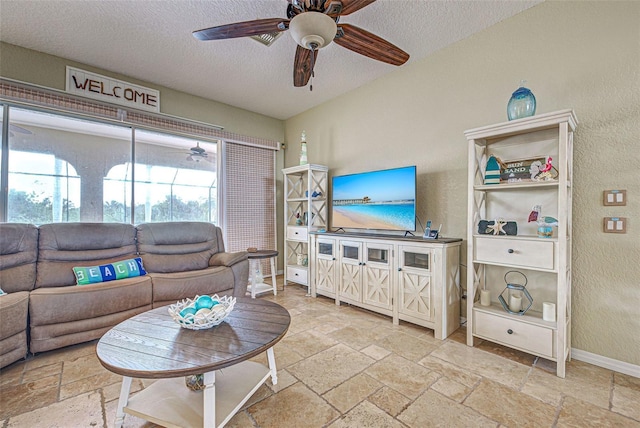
<point>202,320</point>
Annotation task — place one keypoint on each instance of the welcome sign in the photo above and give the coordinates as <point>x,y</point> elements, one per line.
<point>103,88</point>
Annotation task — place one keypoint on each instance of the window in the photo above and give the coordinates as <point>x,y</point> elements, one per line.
<point>116,202</point>
<point>56,164</point>
<point>63,169</point>
<point>175,178</point>
<point>43,188</point>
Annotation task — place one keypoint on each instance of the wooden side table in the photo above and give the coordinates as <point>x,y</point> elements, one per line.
<point>256,266</point>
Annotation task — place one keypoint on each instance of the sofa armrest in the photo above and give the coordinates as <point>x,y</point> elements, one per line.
<point>227,259</point>
<point>239,264</point>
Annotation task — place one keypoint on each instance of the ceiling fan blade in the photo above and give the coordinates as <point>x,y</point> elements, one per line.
<point>294,8</point>
<point>19,129</point>
<point>303,66</point>
<point>350,6</point>
<point>243,29</point>
<point>368,44</point>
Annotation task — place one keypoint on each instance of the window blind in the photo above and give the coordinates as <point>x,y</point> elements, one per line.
<point>249,211</point>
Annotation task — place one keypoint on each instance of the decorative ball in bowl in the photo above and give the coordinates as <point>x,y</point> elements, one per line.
<point>202,311</point>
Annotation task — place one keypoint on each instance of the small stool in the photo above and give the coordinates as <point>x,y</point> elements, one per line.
<point>255,265</point>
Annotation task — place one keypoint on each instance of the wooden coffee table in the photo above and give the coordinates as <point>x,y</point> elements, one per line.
<point>153,346</point>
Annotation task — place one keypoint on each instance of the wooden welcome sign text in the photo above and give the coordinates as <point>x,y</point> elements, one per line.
<point>103,88</point>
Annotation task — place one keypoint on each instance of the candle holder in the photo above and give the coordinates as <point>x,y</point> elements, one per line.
<point>515,287</point>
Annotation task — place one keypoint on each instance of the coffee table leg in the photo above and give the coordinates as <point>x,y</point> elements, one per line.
<point>122,401</point>
<point>272,366</point>
<point>209,397</point>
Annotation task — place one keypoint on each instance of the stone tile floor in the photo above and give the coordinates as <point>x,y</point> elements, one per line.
<point>341,366</point>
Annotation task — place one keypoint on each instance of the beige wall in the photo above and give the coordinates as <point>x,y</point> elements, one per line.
<point>580,55</point>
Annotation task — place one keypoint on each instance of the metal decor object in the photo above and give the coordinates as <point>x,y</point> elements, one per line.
<point>515,287</point>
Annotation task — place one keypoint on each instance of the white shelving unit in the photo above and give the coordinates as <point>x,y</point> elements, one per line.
<point>303,213</point>
<point>546,262</point>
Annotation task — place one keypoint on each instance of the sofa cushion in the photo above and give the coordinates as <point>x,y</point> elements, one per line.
<point>67,304</point>
<point>18,255</point>
<point>65,245</point>
<point>178,246</point>
<point>57,335</point>
<point>109,272</point>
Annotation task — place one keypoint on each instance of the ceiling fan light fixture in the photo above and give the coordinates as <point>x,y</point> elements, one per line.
<point>312,30</point>
<point>195,157</point>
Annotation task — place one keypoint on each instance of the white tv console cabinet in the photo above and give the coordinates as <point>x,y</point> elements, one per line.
<point>407,278</point>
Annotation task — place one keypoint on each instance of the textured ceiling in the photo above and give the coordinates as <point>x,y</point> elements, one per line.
<point>152,41</point>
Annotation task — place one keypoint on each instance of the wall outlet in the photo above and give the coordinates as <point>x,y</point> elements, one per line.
<point>615,225</point>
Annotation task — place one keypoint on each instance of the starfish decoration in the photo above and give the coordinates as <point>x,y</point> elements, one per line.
<point>497,228</point>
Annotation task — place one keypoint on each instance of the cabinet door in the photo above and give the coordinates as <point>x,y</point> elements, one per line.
<point>351,270</point>
<point>326,265</point>
<point>415,291</point>
<point>376,285</point>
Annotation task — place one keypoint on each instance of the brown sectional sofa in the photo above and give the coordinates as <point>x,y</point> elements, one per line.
<point>182,259</point>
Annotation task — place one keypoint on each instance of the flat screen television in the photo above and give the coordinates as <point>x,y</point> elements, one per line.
<point>380,200</point>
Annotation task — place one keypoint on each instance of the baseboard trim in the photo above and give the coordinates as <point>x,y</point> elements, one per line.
<point>606,362</point>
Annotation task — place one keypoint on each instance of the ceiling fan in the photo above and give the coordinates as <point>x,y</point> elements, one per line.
<point>313,24</point>
<point>197,154</point>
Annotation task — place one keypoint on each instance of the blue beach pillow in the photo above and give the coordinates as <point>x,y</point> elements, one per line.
<point>110,272</point>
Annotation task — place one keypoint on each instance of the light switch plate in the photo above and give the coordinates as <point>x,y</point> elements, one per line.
<point>615,198</point>
<point>615,225</point>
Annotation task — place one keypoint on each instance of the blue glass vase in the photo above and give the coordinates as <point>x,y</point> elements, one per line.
<point>522,104</point>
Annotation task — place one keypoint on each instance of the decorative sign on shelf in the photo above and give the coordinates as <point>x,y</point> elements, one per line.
<point>103,88</point>
<point>532,169</point>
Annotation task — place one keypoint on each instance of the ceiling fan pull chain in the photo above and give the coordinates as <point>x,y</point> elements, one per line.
<point>313,64</point>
